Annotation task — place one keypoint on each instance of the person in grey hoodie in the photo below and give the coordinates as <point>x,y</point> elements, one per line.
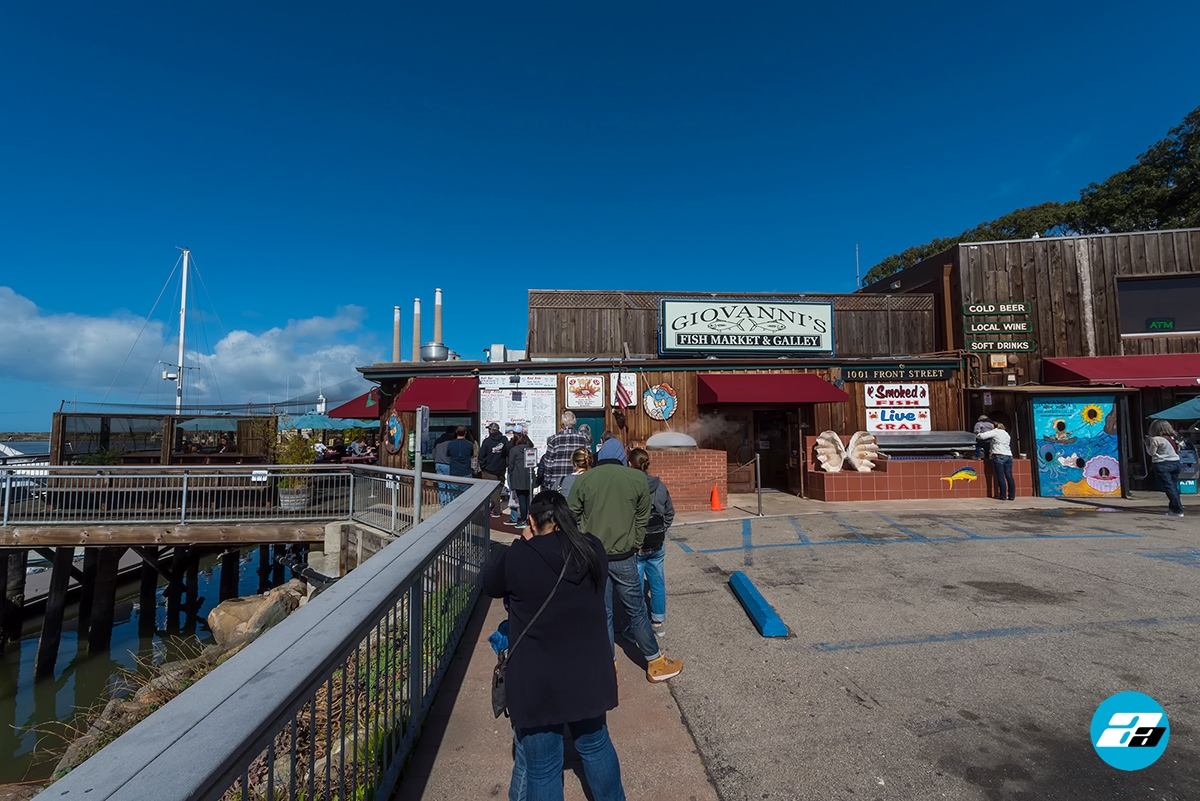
<point>611,448</point>
<point>650,555</point>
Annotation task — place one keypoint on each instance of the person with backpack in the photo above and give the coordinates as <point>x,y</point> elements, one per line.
<point>653,550</point>
<point>493,460</point>
<point>1163,451</point>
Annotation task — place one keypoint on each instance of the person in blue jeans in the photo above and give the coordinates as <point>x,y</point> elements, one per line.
<point>559,673</point>
<point>1002,461</point>
<point>650,557</point>
<point>1162,447</point>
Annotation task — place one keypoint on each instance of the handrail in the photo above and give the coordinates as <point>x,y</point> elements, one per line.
<point>354,643</point>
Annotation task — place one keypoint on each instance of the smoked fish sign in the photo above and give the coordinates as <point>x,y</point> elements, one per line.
<point>745,326</point>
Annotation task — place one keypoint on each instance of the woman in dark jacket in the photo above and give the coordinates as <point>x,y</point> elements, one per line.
<point>562,671</point>
<point>519,476</point>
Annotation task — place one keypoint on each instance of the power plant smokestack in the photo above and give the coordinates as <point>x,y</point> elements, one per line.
<point>396,334</point>
<point>416,356</point>
<point>437,317</point>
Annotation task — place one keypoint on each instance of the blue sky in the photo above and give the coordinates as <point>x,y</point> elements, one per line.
<point>325,162</point>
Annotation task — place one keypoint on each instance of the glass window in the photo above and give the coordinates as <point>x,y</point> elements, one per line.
<point>1160,305</point>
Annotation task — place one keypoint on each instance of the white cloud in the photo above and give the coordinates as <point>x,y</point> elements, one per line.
<point>83,355</point>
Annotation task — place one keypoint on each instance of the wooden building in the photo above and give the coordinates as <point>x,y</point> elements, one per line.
<point>743,374</point>
<point>1110,312</point>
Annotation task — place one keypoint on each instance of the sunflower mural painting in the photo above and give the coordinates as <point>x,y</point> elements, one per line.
<point>1077,447</point>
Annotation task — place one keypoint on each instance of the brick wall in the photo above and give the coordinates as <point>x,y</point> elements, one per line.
<point>690,477</point>
<point>916,479</point>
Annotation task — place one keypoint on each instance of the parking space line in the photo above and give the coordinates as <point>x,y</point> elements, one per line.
<point>747,544</point>
<point>799,531</point>
<point>1015,631</point>
<point>864,541</point>
<point>907,531</point>
<point>853,530</point>
<point>948,524</point>
<point>682,545</point>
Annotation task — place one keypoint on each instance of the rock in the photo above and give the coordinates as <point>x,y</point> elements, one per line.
<point>242,620</point>
<point>18,792</point>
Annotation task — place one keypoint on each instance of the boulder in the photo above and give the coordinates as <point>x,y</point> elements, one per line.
<point>243,620</point>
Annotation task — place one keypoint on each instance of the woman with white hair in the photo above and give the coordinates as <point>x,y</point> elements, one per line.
<point>1164,456</point>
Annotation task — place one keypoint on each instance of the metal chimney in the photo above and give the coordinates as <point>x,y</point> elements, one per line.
<point>416,355</point>
<point>396,334</point>
<point>437,317</point>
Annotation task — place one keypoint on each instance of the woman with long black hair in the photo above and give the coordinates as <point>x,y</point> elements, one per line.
<point>561,671</point>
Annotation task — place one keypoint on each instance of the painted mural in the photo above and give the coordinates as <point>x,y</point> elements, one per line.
<point>1077,443</point>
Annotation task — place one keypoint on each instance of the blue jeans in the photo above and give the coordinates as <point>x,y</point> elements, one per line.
<point>1006,488</point>
<point>1168,476</point>
<point>983,449</point>
<point>538,762</point>
<point>626,584</point>
<point>650,570</point>
<point>521,513</point>
<point>444,497</point>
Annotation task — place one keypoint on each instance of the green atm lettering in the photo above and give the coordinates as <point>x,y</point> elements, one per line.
<point>1160,324</point>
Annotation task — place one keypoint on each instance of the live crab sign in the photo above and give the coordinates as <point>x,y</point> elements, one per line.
<point>745,326</point>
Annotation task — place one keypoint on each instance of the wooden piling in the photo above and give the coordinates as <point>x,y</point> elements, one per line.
<point>148,592</point>
<point>264,568</point>
<point>12,609</point>
<point>231,563</point>
<point>87,585</point>
<point>104,599</point>
<point>277,568</point>
<point>175,586</point>
<point>52,619</point>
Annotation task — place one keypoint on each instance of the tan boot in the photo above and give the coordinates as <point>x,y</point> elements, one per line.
<point>663,668</point>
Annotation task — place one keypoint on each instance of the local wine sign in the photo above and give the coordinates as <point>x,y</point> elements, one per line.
<point>740,326</point>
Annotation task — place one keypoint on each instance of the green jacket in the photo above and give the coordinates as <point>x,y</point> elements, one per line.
<point>612,503</point>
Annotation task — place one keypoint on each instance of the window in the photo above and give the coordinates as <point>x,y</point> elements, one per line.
<point>1159,306</point>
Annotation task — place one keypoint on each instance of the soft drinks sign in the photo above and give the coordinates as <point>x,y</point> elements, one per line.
<point>896,396</point>
<point>898,421</point>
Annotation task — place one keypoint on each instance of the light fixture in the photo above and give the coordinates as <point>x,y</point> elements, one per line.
<point>894,285</point>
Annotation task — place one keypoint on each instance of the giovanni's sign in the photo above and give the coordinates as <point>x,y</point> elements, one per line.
<point>743,326</point>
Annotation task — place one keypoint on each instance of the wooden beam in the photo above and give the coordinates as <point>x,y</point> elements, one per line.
<point>87,586</point>
<point>151,534</point>
<point>148,591</point>
<point>52,618</point>
<point>231,563</point>
<point>12,605</point>
<point>105,599</point>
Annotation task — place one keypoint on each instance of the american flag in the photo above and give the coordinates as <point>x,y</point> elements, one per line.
<point>624,399</point>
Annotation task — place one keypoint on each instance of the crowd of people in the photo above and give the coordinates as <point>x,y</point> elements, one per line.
<point>591,533</point>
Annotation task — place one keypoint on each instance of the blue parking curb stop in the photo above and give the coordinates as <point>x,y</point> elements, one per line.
<point>765,618</point>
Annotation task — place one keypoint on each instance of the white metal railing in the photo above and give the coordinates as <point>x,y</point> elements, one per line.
<point>328,704</point>
<point>60,495</point>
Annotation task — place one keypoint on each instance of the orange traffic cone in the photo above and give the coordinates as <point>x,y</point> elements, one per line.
<point>716,500</point>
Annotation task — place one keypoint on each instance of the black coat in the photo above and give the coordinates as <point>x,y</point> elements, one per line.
<point>562,671</point>
<point>493,454</point>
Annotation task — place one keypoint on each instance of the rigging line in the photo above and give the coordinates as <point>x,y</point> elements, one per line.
<point>220,325</point>
<point>144,324</point>
<point>154,368</point>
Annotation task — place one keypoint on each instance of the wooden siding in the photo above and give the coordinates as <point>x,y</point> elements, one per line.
<point>1072,283</point>
<point>571,324</point>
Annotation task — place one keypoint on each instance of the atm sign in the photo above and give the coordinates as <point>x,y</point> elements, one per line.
<point>1160,324</point>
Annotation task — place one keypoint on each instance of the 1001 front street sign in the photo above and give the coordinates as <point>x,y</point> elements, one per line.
<point>741,326</point>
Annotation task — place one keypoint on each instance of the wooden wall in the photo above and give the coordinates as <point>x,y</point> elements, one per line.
<point>570,324</point>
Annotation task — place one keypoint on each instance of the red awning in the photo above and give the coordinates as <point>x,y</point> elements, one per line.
<point>358,407</point>
<point>766,388</point>
<point>1162,370</point>
<point>440,395</point>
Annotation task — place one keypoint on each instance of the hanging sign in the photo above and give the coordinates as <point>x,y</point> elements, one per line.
<point>997,308</point>
<point>659,402</point>
<point>896,395</point>
<point>531,457</point>
<point>394,439</point>
<point>1002,346</point>
<point>898,421</point>
<point>585,392</point>
<point>740,326</point>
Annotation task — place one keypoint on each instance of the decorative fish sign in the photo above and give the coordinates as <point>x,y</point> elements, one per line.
<point>961,474</point>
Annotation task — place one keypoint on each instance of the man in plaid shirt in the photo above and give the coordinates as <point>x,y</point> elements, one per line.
<point>558,452</point>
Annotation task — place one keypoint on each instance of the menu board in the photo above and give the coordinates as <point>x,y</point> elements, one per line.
<point>527,401</point>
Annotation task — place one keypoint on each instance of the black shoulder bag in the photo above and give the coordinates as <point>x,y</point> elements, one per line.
<point>499,693</point>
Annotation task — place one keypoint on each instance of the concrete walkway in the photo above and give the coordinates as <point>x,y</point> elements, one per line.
<point>466,753</point>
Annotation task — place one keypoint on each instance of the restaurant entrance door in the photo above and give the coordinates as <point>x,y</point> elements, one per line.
<point>771,444</point>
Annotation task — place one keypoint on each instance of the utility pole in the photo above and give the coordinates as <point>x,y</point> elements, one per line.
<point>182,323</point>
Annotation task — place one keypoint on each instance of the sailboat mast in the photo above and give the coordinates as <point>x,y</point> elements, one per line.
<point>182,328</point>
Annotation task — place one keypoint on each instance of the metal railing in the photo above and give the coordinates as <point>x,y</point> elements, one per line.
<point>327,704</point>
<point>59,495</point>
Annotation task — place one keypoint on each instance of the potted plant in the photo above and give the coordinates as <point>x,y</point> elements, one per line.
<point>293,447</point>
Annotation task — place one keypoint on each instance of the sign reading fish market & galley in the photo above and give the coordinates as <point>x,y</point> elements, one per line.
<point>745,326</point>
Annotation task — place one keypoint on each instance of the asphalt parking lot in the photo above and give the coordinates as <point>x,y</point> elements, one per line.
<point>954,655</point>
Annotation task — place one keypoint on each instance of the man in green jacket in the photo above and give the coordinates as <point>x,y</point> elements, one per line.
<point>612,502</point>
